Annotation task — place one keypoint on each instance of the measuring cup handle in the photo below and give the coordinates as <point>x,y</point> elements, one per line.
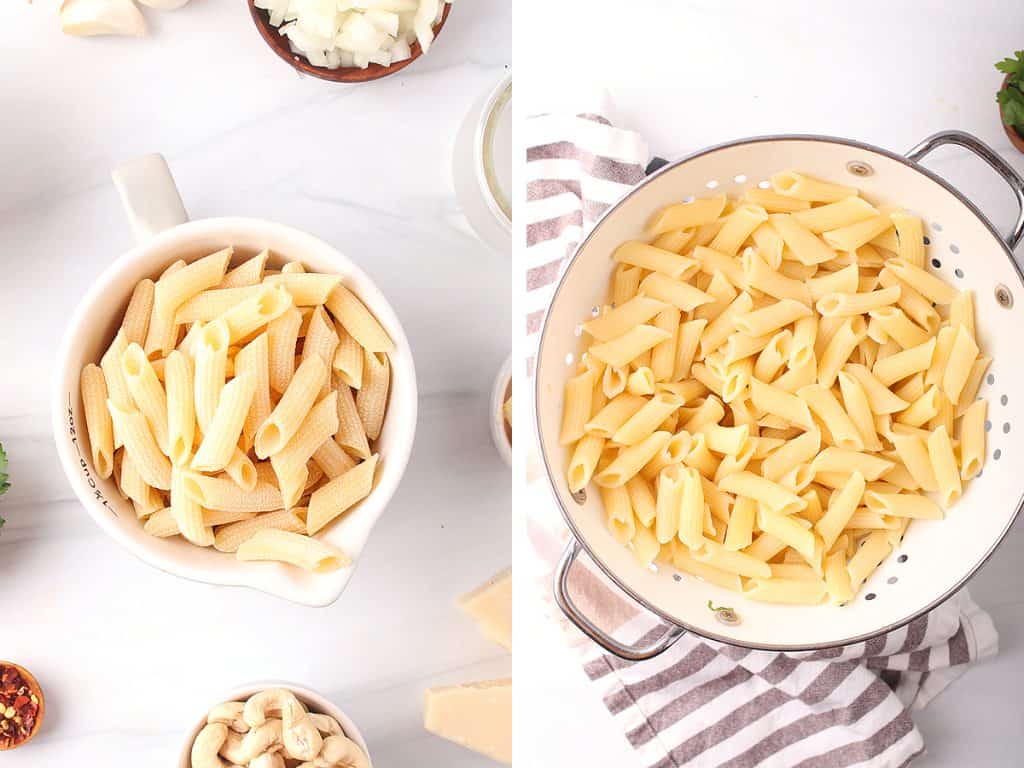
<point>149,196</point>
<point>986,153</point>
<point>591,630</point>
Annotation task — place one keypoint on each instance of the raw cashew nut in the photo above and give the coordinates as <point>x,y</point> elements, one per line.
<point>229,713</point>
<point>341,752</point>
<point>268,703</point>
<point>268,760</point>
<point>326,724</point>
<point>242,749</point>
<point>207,744</point>
<point>302,740</point>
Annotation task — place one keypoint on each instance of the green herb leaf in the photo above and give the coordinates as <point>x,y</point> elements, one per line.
<point>711,607</point>
<point>1011,102</point>
<point>1012,67</point>
<point>4,485</point>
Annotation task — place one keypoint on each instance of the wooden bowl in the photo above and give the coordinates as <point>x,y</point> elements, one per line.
<point>279,44</point>
<point>35,688</point>
<point>1011,133</point>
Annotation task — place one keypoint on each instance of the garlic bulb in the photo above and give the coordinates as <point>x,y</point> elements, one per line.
<point>101,17</point>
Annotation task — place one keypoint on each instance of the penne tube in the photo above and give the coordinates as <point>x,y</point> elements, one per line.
<point>249,272</point>
<point>621,350</point>
<point>803,187</point>
<point>923,282</point>
<point>679,294</point>
<point>910,232</point>
<point>943,460</point>
<point>337,497</point>
<point>807,248</point>
<point>853,236</point>
<point>625,283</point>
<point>306,289</point>
<point>663,355</point>
<point>839,348</point>
<point>625,316</point>
<point>687,215</point>
<point>642,500</point>
<point>99,426</point>
<point>655,259</point>
<point>769,494</point>
<point>917,307</point>
<point>631,459</point>
<point>824,404</point>
<point>738,226</point>
<point>152,465</point>
<point>220,440</point>
<point>669,504</point>
<point>903,364</point>
<point>758,274</point>
<point>846,304</point>
<point>357,320</point>
<point>773,202</point>
<point>972,440</point>
<point>372,397</point>
<point>292,548</point>
<point>962,354</point>
<point>135,323</point>
<point>771,318</point>
<point>641,382</point>
<point>831,216</point>
<point>867,558</point>
<point>914,454</point>
<point>576,407</point>
<point>843,280</point>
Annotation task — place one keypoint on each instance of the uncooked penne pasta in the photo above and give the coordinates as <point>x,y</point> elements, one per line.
<point>97,420</point>
<point>306,289</point>
<point>210,370</point>
<point>358,321</point>
<point>135,323</point>
<point>301,551</point>
<point>181,420</point>
<point>146,391</point>
<point>249,272</point>
<point>230,537</point>
<point>287,416</point>
<point>220,439</point>
<point>187,513</point>
<point>339,495</point>
<point>372,398</point>
<point>140,445</point>
<point>282,336</point>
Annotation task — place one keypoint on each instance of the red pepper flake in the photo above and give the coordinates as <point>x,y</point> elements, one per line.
<point>19,707</point>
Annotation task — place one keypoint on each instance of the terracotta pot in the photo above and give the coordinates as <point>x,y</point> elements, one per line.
<point>1011,133</point>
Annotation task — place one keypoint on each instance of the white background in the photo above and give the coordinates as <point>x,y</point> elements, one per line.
<point>130,657</point>
<point>692,74</point>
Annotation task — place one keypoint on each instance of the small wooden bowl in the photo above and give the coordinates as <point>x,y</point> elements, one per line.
<point>1011,133</point>
<point>279,44</point>
<point>35,688</point>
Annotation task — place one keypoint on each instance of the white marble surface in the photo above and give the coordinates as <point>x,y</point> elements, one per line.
<point>129,657</point>
<point>705,72</point>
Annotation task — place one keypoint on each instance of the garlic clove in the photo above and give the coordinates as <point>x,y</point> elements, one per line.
<point>84,18</point>
<point>164,5</point>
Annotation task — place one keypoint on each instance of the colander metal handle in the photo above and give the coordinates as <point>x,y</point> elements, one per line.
<point>986,153</point>
<point>591,630</point>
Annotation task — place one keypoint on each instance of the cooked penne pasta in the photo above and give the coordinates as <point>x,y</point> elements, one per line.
<point>771,391</point>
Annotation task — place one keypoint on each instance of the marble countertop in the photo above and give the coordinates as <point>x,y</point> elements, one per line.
<point>130,657</point>
<point>885,73</point>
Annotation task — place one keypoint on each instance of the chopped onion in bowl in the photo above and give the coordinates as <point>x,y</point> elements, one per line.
<point>355,33</point>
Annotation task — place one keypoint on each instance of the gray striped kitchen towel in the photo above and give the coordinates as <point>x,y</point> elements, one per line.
<point>703,703</point>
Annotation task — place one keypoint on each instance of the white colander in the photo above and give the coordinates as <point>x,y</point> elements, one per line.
<point>936,557</point>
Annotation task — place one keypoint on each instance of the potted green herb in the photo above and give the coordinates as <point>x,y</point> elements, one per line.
<point>4,485</point>
<point>1011,98</point>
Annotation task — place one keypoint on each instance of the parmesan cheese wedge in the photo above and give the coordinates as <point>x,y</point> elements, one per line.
<point>490,605</point>
<point>477,716</point>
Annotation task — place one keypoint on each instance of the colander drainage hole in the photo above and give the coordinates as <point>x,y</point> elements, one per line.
<point>954,248</point>
<point>870,596</point>
<point>988,426</point>
<point>997,454</point>
<point>958,272</point>
<point>936,226</point>
<point>764,184</point>
<point>677,577</point>
<point>936,263</point>
<point>891,580</point>
<point>740,179</point>
<point>569,359</point>
<point>713,184</point>
<point>990,379</point>
<point>1004,400</point>
<point>1006,428</point>
<point>927,241</point>
<point>902,558</point>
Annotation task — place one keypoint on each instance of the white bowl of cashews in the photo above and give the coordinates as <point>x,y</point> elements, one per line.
<point>273,725</point>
